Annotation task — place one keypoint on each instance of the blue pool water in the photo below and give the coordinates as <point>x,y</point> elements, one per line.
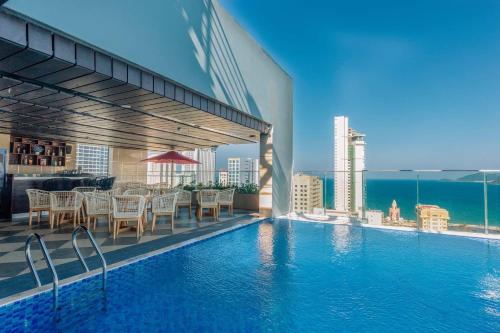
<point>286,276</point>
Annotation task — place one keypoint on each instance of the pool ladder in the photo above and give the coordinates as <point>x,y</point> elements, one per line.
<point>50,264</point>
<point>97,250</point>
<point>29,259</point>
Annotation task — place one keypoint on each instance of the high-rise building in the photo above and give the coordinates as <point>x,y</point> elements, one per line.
<point>202,173</point>
<point>349,163</point>
<point>223,177</point>
<point>206,169</point>
<point>92,159</point>
<point>249,171</point>
<point>242,171</point>
<point>307,193</point>
<point>233,169</point>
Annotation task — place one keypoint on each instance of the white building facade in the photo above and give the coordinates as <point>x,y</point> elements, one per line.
<point>223,177</point>
<point>250,171</point>
<point>349,163</point>
<point>233,170</point>
<point>203,173</point>
<point>242,171</point>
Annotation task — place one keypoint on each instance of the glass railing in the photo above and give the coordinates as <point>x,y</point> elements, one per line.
<point>427,200</point>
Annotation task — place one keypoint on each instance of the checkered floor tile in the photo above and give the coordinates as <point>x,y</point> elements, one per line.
<point>13,235</point>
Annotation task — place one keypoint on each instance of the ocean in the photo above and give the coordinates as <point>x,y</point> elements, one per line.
<point>463,200</point>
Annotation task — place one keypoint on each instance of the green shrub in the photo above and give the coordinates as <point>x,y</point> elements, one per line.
<point>243,188</point>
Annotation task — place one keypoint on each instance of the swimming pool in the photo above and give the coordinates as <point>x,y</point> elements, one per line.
<point>287,276</point>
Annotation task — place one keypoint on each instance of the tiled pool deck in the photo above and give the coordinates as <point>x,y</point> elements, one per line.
<point>16,278</point>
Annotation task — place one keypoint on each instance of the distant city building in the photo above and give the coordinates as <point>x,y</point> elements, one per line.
<point>349,163</point>
<point>432,218</point>
<point>206,169</point>
<point>249,171</point>
<point>203,173</point>
<point>375,217</point>
<point>92,159</point>
<point>307,193</point>
<point>223,177</point>
<point>233,169</point>
<point>242,171</point>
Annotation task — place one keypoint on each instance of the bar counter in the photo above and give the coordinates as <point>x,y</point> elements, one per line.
<point>19,199</point>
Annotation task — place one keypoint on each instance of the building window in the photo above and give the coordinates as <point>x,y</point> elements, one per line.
<point>92,159</point>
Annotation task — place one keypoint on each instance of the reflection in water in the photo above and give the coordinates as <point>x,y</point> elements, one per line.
<point>276,243</point>
<point>276,246</point>
<point>489,290</point>
<point>265,243</point>
<point>341,238</point>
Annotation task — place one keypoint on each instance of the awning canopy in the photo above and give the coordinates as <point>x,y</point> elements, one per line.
<point>171,157</point>
<point>52,86</point>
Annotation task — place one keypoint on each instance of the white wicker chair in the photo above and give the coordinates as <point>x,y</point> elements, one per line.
<point>164,185</point>
<point>184,199</point>
<point>208,199</point>
<point>157,191</point>
<point>39,202</point>
<point>98,204</point>
<point>133,185</point>
<point>120,186</point>
<point>111,193</point>
<point>226,199</point>
<point>85,189</point>
<point>65,202</point>
<point>152,187</point>
<point>137,191</point>
<point>128,208</point>
<point>163,205</point>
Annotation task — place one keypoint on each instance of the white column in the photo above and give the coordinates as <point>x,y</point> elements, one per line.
<point>265,175</point>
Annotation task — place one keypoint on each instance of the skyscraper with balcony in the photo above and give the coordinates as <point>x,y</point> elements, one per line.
<point>349,163</point>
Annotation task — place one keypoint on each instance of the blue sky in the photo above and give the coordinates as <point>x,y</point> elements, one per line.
<point>420,78</point>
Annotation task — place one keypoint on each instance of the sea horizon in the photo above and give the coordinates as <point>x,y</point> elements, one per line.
<point>464,200</point>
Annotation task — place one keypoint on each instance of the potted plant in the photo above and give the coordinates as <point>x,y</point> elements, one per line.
<point>247,197</point>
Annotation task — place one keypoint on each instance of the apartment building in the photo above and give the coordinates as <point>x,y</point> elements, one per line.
<point>307,193</point>
<point>349,163</point>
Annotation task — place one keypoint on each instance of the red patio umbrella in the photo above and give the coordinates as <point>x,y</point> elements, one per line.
<point>171,157</point>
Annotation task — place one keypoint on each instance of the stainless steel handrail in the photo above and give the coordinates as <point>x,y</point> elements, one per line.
<point>29,259</point>
<point>97,250</point>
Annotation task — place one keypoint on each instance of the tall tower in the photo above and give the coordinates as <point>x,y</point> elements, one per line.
<point>357,161</point>
<point>341,167</point>
<point>349,163</point>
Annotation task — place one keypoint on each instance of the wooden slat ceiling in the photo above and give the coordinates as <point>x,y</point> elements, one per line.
<point>54,87</point>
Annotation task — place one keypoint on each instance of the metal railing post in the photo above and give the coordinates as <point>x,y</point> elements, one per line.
<point>418,201</point>
<point>485,194</point>
<point>363,194</point>
<point>324,191</point>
